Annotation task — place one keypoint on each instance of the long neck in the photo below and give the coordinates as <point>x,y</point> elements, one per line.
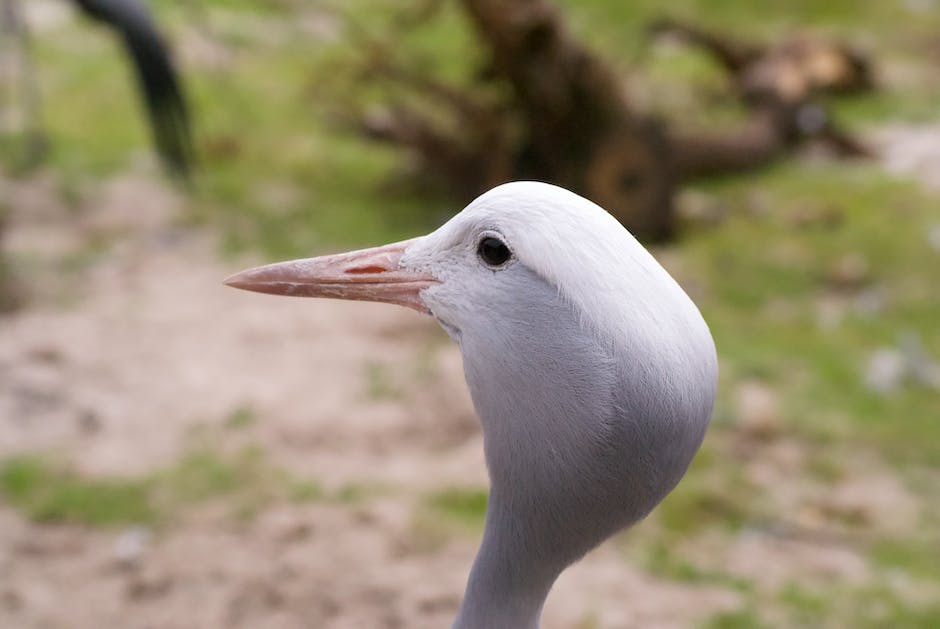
<point>544,408</point>
<point>509,580</point>
<point>583,435</point>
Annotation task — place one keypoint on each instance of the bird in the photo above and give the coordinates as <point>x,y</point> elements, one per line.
<point>157,77</point>
<point>592,372</point>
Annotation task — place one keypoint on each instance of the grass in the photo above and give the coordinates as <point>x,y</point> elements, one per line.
<point>446,514</point>
<point>805,606</point>
<point>740,619</point>
<point>869,607</point>
<point>241,417</point>
<point>305,491</point>
<point>830,605</point>
<point>380,384</point>
<point>914,556</point>
<point>463,505</point>
<point>245,481</point>
<point>45,493</point>
<point>882,607</point>
<point>356,493</point>
<point>755,263</point>
<point>711,495</point>
<point>662,560</point>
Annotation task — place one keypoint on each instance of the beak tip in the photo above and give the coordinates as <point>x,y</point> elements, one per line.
<point>231,280</point>
<point>238,280</point>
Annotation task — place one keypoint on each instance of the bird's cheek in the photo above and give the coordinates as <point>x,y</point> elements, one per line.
<point>436,300</point>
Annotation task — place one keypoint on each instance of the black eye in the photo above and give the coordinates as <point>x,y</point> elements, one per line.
<point>493,251</point>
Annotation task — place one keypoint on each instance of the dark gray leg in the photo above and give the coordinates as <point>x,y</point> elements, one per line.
<point>15,44</point>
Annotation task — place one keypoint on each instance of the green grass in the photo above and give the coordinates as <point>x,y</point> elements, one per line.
<point>81,91</point>
<point>203,474</point>
<point>753,263</point>
<point>831,606</point>
<point>740,619</point>
<point>711,495</point>
<point>460,504</point>
<point>380,384</point>
<point>446,514</point>
<point>45,493</point>
<point>661,558</point>
<point>241,417</point>
<point>244,480</point>
<point>305,491</point>
<point>869,607</point>
<point>356,493</point>
<point>882,606</point>
<point>806,606</point>
<point>914,555</point>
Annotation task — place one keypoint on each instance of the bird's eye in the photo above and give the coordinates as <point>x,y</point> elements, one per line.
<point>493,251</point>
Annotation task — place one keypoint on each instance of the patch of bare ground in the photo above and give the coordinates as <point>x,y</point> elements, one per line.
<point>300,566</point>
<point>911,150</point>
<point>122,354</point>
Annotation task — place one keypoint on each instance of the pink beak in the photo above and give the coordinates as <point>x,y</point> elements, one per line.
<point>366,275</point>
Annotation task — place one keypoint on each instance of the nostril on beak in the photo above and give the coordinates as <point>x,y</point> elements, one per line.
<point>356,270</point>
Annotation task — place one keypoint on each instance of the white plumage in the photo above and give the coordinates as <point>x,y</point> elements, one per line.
<point>592,372</point>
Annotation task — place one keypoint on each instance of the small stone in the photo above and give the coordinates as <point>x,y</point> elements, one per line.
<point>918,362</point>
<point>870,302</point>
<point>807,216</point>
<point>131,544</point>
<point>147,586</point>
<point>46,354</point>
<point>699,207</point>
<point>933,237</point>
<point>830,311</point>
<point>11,600</point>
<point>920,6</point>
<point>758,410</point>
<point>850,272</point>
<point>847,513</point>
<point>810,119</point>
<point>759,203</point>
<point>885,370</point>
<point>88,422</point>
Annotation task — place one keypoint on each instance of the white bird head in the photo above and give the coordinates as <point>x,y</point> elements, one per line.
<point>592,372</point>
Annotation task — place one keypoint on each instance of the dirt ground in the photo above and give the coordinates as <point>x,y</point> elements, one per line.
<point>131,348</point>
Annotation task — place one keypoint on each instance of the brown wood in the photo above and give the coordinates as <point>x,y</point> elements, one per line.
<point>564,117</point>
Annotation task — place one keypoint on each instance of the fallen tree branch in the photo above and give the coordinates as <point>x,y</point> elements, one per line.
<point>564,117</point>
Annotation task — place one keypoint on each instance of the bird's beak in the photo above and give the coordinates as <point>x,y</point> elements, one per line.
<point>366,275</point>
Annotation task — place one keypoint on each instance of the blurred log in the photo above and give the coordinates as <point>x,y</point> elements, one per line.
<point>773,130</point>
<point>732,54</point>
<point>577,131</point>
<point>779,84</point>
<point>566,119</point>
<point>794,70</point>
<point>472,153</point>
